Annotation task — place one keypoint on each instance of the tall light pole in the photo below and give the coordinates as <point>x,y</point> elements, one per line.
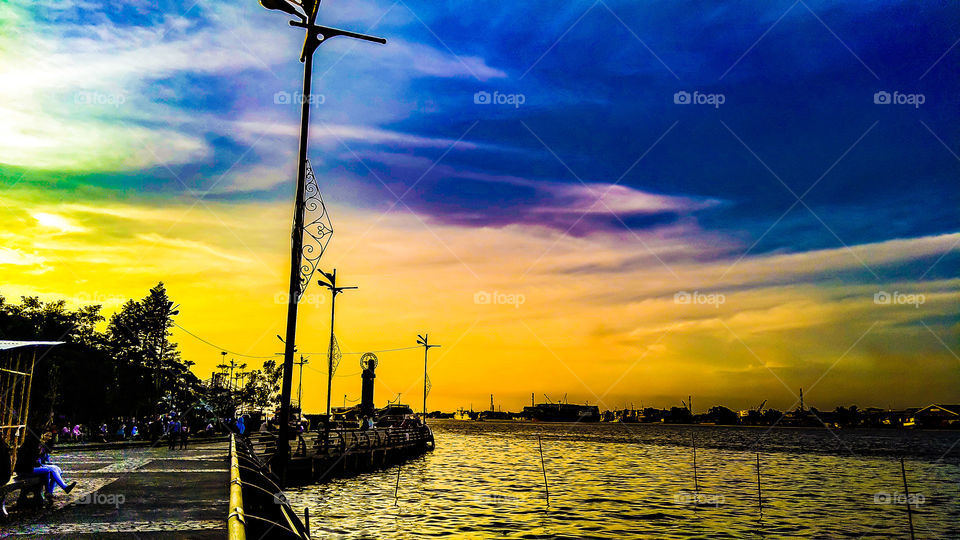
<point>334,290</point>
<point>424,340</point>
<point>306,13</point>
<point>300,385</point>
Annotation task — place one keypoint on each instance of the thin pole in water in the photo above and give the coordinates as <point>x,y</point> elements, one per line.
<point>759,493</point>
<point>544,469</point>
<point>696,483</point>
<point>306,519</point>
<point>906,493</point>
<point>396,490</point>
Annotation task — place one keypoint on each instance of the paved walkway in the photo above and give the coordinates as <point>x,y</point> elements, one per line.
<point>134,493</point>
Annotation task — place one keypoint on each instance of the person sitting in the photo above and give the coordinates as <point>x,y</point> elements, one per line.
<point>33,459</point>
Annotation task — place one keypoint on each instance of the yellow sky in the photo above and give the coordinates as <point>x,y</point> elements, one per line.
<point>595,318</point>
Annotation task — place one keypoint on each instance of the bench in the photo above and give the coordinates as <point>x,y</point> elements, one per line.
<point>31,492</point>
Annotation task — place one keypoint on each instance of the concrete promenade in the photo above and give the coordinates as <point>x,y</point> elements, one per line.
<point>134,493</point>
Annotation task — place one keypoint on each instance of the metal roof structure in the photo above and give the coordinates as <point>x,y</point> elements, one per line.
<point>8,344</point>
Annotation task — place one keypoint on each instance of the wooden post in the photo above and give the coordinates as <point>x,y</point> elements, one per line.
<point>544,469</point>
<point>759,493</point>
<point>396,490</point>
<point>306,519</point>
<point>906,494</point>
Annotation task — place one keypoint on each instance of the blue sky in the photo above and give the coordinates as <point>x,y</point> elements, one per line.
<point>597,81</point>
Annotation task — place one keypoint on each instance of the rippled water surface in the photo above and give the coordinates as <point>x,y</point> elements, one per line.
<point>485,480</point>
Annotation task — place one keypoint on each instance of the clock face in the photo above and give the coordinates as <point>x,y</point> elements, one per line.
<point>369,361</point>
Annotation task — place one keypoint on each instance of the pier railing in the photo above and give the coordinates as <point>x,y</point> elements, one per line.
<point>352,440</point>
<point>258,506</point>
<point>322,455</point>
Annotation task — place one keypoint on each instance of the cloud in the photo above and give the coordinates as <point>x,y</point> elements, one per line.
<point>189,245</point>
<point>19,258</point>
<point>57,222</point>
<point>85,100</point>
<point>428,61</point>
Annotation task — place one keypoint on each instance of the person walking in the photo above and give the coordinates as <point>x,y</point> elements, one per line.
<point>184,434</point>
<point>173,433</point>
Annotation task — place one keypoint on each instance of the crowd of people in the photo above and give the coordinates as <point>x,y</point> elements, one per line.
<point>170,426</point>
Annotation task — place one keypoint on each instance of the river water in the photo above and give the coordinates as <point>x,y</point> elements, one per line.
<point>484,480</point>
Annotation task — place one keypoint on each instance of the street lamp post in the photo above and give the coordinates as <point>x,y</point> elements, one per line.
<point>332,285</point>
<point>300,385</point>
<point>306,13</point>
<point>424,340</point>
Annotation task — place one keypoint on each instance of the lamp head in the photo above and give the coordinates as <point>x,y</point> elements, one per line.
<point>282,5</point>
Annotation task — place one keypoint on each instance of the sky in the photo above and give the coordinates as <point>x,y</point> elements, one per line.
<point>618,202</point>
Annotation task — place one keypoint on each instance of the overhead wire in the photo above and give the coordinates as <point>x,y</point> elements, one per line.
<point>215,346</point>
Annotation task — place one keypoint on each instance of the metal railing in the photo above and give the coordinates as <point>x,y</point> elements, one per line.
<point>343,440</point>
<point>236,526</point>
<point>258,505</point>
